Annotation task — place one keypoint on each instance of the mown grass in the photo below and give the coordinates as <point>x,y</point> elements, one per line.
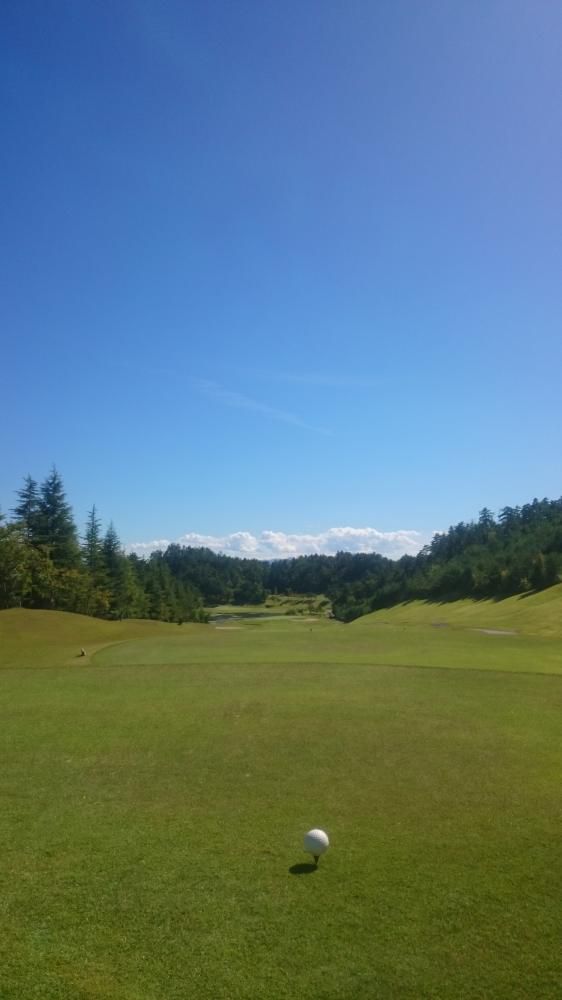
<point>47,638</point>
<point>156,799</point>
<point>533,614</point>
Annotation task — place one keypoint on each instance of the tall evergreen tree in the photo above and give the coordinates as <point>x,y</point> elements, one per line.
<point>26,512</point>
<point>111,548</point>
<point>92,547</point>
<point>56,528</point>
<point>96,591</point>
<point>120,580</point>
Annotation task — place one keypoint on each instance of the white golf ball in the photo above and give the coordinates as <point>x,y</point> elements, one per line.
<point>316,842</point>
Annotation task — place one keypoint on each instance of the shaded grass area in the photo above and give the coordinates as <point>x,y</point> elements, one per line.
<point>154,809</point>
<point>532,614</point>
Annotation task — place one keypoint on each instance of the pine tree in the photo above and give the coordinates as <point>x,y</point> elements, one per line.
<point>92,548</point>
<point>96,591</point>
<point>115,570</point>
<point>111,548</point>
<point>55,524</point>
<point>26,512</point>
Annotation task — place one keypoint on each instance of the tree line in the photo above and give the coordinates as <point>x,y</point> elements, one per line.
<point>517,551</point>
<point>45,563</point>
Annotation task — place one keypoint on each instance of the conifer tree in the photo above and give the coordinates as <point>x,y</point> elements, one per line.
<point>111,546</point>
<point>26,512</point>
<point>56,528</point>
<point>126,599</point>
<point>92,548</point>
<point>97,596</point>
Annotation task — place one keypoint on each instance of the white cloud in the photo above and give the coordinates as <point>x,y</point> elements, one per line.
<point>279,545</point>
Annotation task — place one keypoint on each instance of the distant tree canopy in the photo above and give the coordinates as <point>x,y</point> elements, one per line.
<point>44,563</point>
<point>517,551</point>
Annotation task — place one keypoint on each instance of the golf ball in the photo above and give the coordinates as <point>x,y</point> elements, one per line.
<point>316,842</point>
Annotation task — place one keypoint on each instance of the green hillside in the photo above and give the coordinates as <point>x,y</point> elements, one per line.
<point>53,638</point>
<point>537,614</point>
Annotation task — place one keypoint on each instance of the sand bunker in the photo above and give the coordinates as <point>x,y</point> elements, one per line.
<point>496,631</point>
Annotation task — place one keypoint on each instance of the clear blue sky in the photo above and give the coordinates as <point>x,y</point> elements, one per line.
<point>282,265</point>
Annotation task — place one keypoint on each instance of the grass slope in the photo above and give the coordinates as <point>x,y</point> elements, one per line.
<point>532,614</point>
<point>51,638</point>
<point>156,797</point>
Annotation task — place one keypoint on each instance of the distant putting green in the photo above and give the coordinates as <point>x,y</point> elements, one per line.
<point>156,793</point>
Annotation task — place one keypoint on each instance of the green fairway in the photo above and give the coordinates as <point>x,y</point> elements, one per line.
<point>156,793</point>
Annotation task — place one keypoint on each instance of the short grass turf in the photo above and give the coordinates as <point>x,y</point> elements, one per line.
<point>533,614</point>
<point>156,796</point>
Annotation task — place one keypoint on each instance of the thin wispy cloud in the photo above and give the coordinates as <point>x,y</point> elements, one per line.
<point>240,401</point>
<point>329,380</point>
<point>281,545</point>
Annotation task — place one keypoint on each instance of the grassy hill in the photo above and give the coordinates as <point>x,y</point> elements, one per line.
<point>52,638</point>
<point>155,795</point>
<point>530,614</point>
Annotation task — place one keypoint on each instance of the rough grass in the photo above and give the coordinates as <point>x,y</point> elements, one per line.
<point>156,797</point>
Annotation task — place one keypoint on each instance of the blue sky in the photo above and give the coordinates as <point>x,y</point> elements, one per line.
<point>282,267</point>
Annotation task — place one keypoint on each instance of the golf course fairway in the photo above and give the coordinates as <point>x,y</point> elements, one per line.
<point>156,792</point>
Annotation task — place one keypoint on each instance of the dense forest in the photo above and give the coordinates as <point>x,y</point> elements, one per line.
<point>518,551</point>
<point>46,563</point>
